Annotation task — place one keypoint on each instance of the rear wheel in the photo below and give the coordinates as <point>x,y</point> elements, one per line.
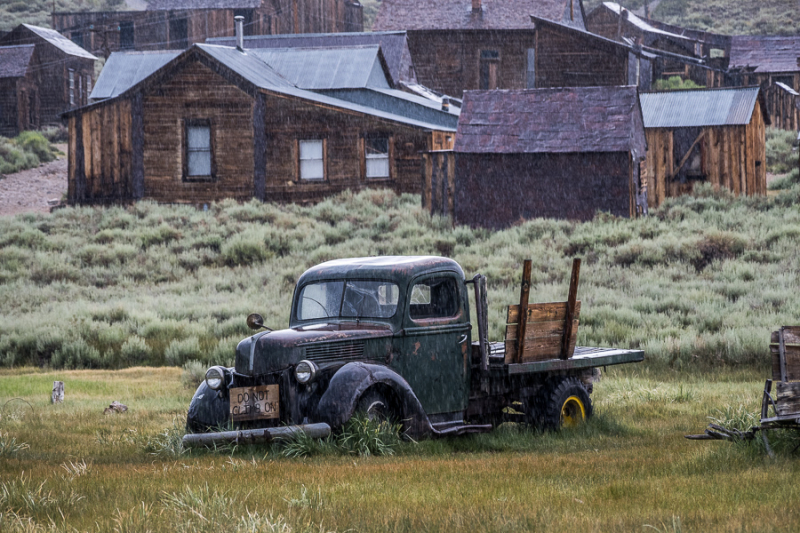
<point>566,404</point>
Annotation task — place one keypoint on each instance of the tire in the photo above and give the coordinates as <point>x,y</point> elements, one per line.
<point>375,405</point>
<point>565,404</point>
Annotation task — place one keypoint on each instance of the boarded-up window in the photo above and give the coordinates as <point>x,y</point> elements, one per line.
<point>312,161</point>
<point>377,157</point>
<point>199,152</point>
<point>488,69</point>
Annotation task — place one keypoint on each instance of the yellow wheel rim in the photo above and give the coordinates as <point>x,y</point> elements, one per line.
<point>573,413</point>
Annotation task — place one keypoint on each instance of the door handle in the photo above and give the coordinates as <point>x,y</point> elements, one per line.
<point>463,339</point>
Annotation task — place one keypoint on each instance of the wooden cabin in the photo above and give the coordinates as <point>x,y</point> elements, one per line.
<point>19,100</point>
<point>176,24</point>
<point>767,62</point>
<point>462,45</point>
<point>558,153</point>
<point>214,122</point>
<point>60,76</point>
<point>712,136</point>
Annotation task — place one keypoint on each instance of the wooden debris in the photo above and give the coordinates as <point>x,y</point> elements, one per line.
<point>115,407</point>
<point>716,432</point>
<point>58,392</point>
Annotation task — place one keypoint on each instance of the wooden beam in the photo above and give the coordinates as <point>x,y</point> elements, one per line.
<point>573,295</point>
<point>524,294</point>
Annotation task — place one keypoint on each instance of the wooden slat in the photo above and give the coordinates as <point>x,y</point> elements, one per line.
<point>570,315</point>
<point>542,341</point>
<point>542,312</point>
<point>788,398</point>
<point>524,293</point>
<point>791,335</point>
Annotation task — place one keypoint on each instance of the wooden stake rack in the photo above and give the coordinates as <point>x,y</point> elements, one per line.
<point>546,330</point>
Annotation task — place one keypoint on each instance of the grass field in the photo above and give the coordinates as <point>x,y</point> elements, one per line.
<point>628,468</point>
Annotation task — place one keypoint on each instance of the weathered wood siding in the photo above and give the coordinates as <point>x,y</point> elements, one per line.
<point>19,102</point>
<point>733,157</point>
<point>289,120</point>
<point>569,59</point>
<point>100,31</point>
<point>100,149</point>
<point>197,92</point>
<point>782,107</point>
<point>439,182</point>
<point>498,190</point>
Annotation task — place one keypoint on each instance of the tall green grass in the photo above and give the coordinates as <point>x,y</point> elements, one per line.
<point>698,284</point>
<point>27,150</point>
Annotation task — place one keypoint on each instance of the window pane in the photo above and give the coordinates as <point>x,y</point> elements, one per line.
<point>198,137</point>
<point>320,300</point>
<point>310,150</point>
<point>434,298</point>
<point>377,166</point>
<point>377,146</point>
<point>199,163</point>
<point>373,299</point>
<point>312,169</point>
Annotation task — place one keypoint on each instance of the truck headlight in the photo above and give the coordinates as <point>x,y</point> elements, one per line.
<point>305,371</point>
<point>215,377</point>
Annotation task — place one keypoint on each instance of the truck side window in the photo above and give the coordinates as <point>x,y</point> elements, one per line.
<point>434,298</point>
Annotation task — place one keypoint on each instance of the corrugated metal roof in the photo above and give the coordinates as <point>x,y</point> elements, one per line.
<point>59,41</point>
<point>398,103</point>
<point>695,108</point>
<point>123,70</point>
<point>563,120</point>
<point>353,67</point>
<point>394,46</point>
<point>14,60</point>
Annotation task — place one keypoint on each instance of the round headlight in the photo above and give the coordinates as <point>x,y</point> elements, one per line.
<point>305,371</point>
<point>215,377</point>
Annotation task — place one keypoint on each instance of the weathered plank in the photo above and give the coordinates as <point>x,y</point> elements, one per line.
<point>524,294</point>
<point>791,335</point>
<point>542,341</point>
<point>542,312</point>
<point>566,352</point>
<point>788,398</point>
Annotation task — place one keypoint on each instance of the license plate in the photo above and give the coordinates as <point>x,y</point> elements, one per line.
<point>254,403</point>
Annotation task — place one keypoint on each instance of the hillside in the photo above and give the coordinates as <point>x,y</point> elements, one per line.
<point>37,12</point>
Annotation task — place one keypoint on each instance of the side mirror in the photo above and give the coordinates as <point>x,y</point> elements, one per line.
<point>255,321</point>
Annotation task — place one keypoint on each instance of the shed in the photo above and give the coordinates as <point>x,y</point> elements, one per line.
<point>19,101</point>
<point>773,63</point>
<point>711,135</point>
<point>557,153</point>
<point>215,122</point>
<point>61,73</point>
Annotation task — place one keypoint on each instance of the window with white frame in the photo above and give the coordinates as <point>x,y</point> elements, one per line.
<point>377,157</point>
<point>71,87</point>
<point>312,160</point>
<point>199,163</point>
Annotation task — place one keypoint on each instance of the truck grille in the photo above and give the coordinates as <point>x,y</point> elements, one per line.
<point>325,353</point>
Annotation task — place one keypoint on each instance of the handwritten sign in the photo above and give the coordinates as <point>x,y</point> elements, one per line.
<point>255,403</point>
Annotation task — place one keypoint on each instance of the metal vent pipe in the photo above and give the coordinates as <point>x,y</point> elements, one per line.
<point>239,26</point>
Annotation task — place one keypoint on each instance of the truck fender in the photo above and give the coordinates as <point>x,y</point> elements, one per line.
<point>208,409</point>
<point>346,387</point>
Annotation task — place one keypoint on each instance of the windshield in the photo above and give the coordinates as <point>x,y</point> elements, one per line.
<point>348,299</point>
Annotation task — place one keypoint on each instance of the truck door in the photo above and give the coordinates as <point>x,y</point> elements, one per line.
<point>436,344</point>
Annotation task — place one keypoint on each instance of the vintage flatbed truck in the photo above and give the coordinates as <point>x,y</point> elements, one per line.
<point>392,337</point>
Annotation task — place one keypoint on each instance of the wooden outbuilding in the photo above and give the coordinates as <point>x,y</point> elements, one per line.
<point>19,102</point>
<point>768,62</point>
<point>712,136</point>
<point>177,24</point>
<point>59,77</point>
<point>214,122</point>
<point>459,45</point>
<point>557,153</point>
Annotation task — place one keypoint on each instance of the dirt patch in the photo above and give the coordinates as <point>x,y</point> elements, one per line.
<point>28,191</point>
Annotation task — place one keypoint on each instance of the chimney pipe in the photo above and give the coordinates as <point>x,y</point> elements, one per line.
<point>445,103</point>
<point>476,6</point>
<point>239,26</point>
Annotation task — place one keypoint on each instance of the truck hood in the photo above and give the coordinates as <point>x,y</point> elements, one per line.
<point>273,351</point>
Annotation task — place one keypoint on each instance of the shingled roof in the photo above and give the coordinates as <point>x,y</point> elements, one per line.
<point>767,54</point>
<point>563,120</point>
<point>458,14</point>
<point>14,60</point>
<point>394,46</point>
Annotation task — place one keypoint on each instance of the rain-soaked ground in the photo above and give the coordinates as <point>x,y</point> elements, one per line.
<point>29,190</point>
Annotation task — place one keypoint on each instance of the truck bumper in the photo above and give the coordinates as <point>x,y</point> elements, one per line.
<point>255,436</point>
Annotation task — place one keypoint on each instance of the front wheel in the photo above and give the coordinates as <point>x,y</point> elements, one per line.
<point>376,407</point>
<point>566,404</point>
